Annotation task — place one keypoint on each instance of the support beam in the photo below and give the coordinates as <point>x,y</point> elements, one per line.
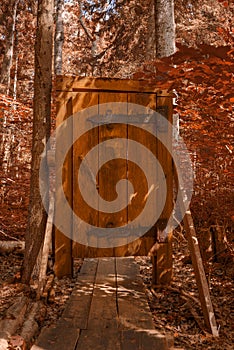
<point>63,244</point>
<point>200,276</point>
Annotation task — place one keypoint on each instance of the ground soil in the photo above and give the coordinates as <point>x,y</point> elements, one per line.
<point>183,318</point>
<point>172,313</point>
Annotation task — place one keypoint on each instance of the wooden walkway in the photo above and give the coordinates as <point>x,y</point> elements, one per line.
<point>107,310</point>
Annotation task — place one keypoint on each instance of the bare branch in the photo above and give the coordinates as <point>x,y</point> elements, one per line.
<point>82,22</point>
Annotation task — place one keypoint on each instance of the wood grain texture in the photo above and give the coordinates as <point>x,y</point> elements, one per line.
<point>78,307</point>
<point>162,260</point>
<point>102,332</point>
<point>64,83</point>
<point>86,92</point>
<point>60,337</point>
<point>63,244</point>
<point>110,297</point>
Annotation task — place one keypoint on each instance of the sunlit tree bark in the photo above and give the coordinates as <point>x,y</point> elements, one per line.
<point>164,28</point>
<point>59,38</point>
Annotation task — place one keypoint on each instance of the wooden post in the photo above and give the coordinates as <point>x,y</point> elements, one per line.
<point>63,244</point>
<point>46,247</point>
<point>200,276</point>
<point>162,251</point>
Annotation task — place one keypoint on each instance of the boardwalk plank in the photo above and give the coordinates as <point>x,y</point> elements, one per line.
<point>104,296</point>
<point>134,312</point>
<point>102,330</point>
<point>78,307</point>
<point>143,340</point>
<point>60,337</point>
<point>99,339</point>
<point>108,310</point>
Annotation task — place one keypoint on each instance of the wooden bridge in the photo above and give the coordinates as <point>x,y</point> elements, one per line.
<point>107,310</point>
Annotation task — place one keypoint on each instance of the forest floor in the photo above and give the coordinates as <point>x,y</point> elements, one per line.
<point>174,309</point>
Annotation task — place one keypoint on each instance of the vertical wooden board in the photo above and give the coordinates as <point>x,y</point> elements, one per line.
<point>83,91</point>
<point>162,261</point>
<point>134,312</point>
<point>77,308</point>
<point>104,296</point>
<point>62,98</point>
<point>164,107</point>
<point>102,332</point>
<point>60,337</point>
<point>115,170</point>
<point>81,147</point>
<point>142,191</point>
<point>63,244</point>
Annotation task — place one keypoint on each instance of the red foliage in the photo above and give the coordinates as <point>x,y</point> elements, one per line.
<point>15,128</point>
<point>203,81</point>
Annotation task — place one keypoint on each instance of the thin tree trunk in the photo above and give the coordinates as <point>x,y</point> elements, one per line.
<point>15,80</point>
<point>5,78</point>
<point>164,28</point>
<point>151,37</point>
<point>41,131</point>
<point>16,71</point>
<point>59,38</point>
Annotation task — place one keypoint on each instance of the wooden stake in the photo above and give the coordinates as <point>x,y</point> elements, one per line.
<point>200,276</point>
<point>46,247</point>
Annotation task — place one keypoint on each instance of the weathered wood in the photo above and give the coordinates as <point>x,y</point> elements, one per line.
<point>135,318</point>
<point>31,326</point>
<point>86,92</point>
<point>81,147</point>
<point>203,288</point>
<point>78,307</point>
<point>104,296</point>
<point>162,258</point>
<point>63,244</point>
<point>105,328</point>
<point>115,170</point>
<point>46,247</point>
<point>135,339</point>
<point>7,247</point>
<point>162,262</point>
<point>102,330</point>
<point>60,337</point>
<point>99,339</point>
<point>48,286</point>
<point>106,84</point>
<point>14,318</point>
<point>134,312</point>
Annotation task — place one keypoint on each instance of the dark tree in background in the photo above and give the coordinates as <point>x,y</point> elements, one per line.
<point>5,77</point>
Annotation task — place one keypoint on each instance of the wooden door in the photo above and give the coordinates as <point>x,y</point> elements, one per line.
<point>79,94</point>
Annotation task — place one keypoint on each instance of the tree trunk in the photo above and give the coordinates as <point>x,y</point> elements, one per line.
<point>151,36</point>
<point>164,28</point>
<point>59,38</point>
<point>5,78</point>
<point>41,131</point>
